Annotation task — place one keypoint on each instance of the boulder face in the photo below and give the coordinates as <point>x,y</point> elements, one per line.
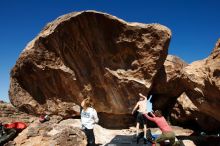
<point>88,54</point>
<point>202,79</point>
<point>185,113</point>
<point>184,109</point>
<point>166,85</point>
<point>189,94</point>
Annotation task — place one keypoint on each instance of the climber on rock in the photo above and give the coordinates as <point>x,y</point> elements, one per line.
<point>141,108</point>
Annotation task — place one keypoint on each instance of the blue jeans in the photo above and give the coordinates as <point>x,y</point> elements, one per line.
<point>90,137</point>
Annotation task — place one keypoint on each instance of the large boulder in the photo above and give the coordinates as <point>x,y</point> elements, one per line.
<point>188,94</point>
<point>88,54</point>
<point>185,113</point>
<point>202,80</point>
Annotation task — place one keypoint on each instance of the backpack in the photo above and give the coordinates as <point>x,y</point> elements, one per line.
<point>16,126</point>
<point>6,134</point>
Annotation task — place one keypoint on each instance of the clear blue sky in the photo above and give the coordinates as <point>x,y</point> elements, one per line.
<point>195,24</point>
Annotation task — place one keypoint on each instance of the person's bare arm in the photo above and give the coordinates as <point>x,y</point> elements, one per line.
<point>148,117</point>
<point>145,98</point>
<point>136,106</point>
<point>96,118</point>
<point>152,114</point>
<point>82,103</point>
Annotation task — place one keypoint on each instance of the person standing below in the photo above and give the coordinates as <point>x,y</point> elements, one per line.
<point>88,119</point>
<point>141,107</point>
<point>167,132</point>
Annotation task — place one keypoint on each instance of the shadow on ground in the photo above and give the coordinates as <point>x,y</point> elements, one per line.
<point>202,140</point>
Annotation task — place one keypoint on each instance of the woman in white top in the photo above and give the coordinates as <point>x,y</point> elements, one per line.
<point>88,119</point>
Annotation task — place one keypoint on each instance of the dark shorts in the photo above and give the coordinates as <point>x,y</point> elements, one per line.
<point>141,119</point>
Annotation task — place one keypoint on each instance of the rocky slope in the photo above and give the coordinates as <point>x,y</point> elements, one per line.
<point>68,133</point>
<point>9,114</point>
<point>51,133</point>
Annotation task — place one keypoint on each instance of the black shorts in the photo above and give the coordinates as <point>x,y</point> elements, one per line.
<point>141,119</point>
